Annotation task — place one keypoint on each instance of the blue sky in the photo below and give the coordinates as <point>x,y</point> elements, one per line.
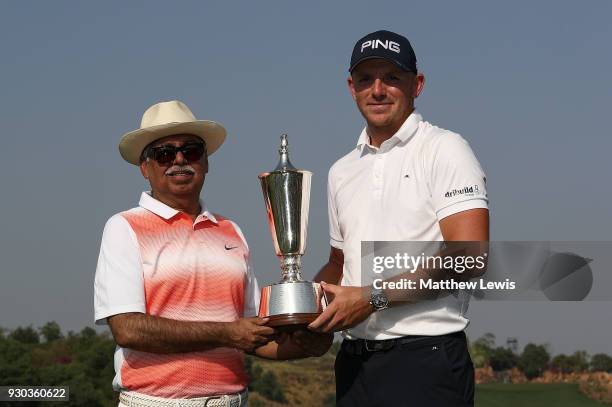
<point>526,83</point>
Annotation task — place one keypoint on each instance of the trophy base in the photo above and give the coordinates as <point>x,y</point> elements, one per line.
<point>292,305</point>
<point>291,322</point>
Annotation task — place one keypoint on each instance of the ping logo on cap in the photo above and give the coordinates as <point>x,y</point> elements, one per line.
<point>390,45</point>
<point>386,45</point>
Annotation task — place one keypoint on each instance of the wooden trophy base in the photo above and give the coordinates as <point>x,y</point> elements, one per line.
<point>291,322</point>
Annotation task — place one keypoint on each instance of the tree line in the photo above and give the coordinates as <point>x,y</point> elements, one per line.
<point>535,359</point>
<point>84,362</point>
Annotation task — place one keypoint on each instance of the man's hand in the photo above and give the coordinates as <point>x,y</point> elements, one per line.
<point>296,345</point>
<point>350,306</point>
<point>248,333</point>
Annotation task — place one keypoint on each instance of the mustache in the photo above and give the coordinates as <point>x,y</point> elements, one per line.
<point>180,168</point>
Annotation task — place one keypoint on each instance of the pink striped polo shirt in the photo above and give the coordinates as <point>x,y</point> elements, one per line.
<point>156,260</point>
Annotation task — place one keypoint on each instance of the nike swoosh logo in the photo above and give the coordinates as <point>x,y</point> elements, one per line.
<point>230,247</point>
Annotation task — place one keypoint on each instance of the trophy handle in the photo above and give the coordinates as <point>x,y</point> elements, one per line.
<point>324,299</point>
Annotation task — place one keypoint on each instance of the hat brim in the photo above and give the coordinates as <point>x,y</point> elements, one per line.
<point>399,64</point>
<point>132,143</point>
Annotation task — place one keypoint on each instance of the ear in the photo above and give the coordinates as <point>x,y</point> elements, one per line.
<point>144,170</point>
<point>419,81</point>
<point>351,86</point>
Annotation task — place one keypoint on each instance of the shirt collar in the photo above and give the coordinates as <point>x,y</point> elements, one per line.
<point>405,132</point>
<point>164,211</point>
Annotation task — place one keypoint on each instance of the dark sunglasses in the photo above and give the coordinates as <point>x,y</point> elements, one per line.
<point>167,154</point>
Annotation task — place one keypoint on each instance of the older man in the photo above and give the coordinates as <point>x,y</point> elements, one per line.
<point>399,184</point>
<point>173,280</point>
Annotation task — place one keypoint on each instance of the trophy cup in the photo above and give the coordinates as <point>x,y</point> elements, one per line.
<point>292,303</point>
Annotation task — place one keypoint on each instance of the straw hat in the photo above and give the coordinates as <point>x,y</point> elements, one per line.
<point>166,119</point>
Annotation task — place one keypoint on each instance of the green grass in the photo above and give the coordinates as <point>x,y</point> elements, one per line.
<point>532,395</point>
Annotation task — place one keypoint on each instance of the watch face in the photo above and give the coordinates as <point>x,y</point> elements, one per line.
<point>379,301</point>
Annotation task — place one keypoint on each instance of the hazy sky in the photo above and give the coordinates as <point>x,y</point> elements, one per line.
<point>526,83</point>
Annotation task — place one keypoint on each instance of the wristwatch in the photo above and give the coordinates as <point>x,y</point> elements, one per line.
<point>379,300</point>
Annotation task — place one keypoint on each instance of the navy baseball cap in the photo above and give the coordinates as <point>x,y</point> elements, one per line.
<point>388,45</point>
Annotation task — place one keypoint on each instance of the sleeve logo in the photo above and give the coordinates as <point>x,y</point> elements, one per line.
<point>466,191</point>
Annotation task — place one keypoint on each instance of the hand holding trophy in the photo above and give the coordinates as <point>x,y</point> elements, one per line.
<point>292,303</point>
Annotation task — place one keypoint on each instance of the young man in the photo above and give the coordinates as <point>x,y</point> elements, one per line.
<point>394,187</point>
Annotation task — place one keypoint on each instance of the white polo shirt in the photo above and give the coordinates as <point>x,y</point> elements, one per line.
<point>400,192</point>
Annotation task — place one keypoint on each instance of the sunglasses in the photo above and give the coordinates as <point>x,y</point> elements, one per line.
<point>165,155</point>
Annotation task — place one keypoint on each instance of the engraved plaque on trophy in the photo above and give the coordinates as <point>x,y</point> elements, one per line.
<point>292,302</point>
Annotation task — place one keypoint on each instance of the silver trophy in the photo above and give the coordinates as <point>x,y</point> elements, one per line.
<point>292,302</point>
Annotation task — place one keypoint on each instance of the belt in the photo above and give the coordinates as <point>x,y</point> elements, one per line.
<point>132,399</point>
<point>362,346</point>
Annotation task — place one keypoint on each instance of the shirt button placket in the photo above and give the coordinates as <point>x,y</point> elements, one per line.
<point>378,176</point>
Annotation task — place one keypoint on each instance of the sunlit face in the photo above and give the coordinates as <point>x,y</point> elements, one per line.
<point>180,177</point>
<point>384,93</point>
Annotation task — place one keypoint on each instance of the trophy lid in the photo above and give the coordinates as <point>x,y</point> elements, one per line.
<point>284,165</point>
